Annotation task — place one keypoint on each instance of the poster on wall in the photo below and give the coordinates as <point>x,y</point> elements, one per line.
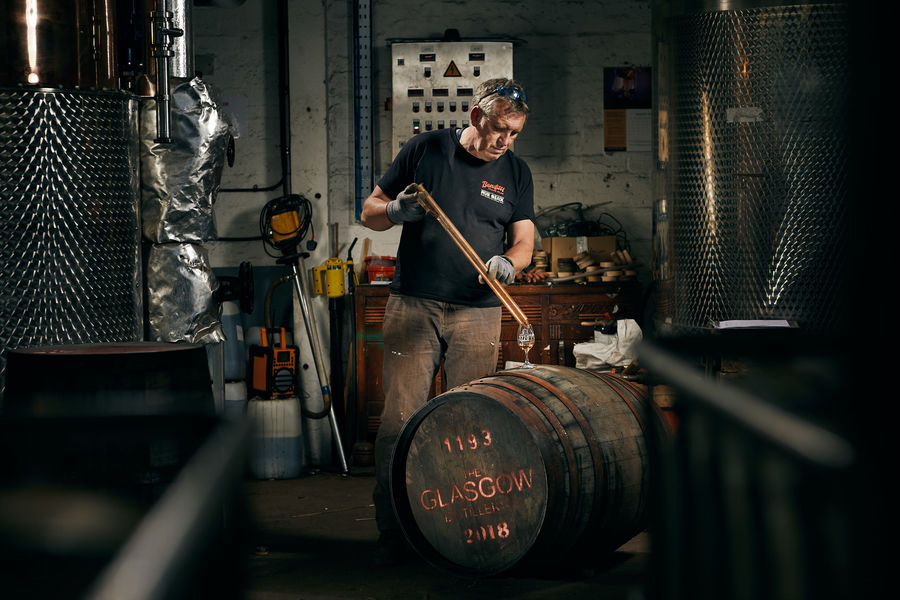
<point>626,109</point>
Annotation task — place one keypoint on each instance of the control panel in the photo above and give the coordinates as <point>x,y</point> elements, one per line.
<point>433,83</point>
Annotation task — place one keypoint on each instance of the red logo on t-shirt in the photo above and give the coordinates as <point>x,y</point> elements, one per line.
<point>492,191</point>
<point>494,187</point>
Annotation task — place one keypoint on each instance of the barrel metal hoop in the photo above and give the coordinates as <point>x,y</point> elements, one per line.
<point>639,391</point>
<point>615,384</point>
<point>639,394</point>
<point>620,386</point>
<point>587,430</point>
<point>558,428</point>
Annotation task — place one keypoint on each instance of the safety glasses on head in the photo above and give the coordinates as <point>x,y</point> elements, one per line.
<point>510,92</point>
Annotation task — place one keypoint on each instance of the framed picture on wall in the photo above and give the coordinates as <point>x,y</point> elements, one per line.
<point>627,107</point>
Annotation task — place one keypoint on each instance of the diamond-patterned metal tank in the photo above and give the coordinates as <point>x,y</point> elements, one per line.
<point>70,268</point>
<point>760,167</point>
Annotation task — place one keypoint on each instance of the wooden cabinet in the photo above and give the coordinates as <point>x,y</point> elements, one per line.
<point>556,312</point>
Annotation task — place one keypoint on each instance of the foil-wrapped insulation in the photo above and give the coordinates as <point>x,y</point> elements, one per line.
<point>70,260</point>
<point>180,287</point>
<point>180,180</point>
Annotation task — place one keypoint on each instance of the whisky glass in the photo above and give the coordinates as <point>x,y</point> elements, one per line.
<point>525,339</point>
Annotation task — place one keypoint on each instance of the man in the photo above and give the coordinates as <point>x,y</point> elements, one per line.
<point>437,306</point>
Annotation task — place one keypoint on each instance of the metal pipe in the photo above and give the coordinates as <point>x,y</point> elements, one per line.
<point>182,63</point>
<point>309,320</point>
<point>155,559</point>
<point>284,106</point>
<point>284,103</point>
<point>297,266</point>
<point>105,18</point>
<point>161,32</point>
<point>805,440</point>
<point>432,208</point>
<point>284,95</point>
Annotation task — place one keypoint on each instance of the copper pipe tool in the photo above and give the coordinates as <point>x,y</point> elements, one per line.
<point>432,208</point>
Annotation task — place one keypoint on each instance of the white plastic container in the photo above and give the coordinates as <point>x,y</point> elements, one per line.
<point>276,451</point>
<point>235,400</point>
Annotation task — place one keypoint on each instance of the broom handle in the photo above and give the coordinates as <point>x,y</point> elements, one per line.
<point>432,208</point>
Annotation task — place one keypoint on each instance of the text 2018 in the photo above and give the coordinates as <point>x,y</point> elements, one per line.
<point>487,533</point>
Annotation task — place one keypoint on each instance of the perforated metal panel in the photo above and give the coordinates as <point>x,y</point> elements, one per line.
<point>760,178</point>
<point>69,232</point>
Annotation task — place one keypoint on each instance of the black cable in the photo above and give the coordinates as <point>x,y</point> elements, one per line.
<point>288,240</point>
<point>252,238</point>
<point>255,188</point>
<point>618,231</point>
<point>284,86</point>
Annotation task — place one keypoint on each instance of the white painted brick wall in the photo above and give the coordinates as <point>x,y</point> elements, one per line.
<point>565,46</point>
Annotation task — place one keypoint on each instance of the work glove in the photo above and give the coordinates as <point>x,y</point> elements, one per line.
<point>406,208</point>
<point>502,269</point>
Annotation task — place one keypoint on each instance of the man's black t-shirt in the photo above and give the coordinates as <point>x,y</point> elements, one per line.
<point>480,198</point>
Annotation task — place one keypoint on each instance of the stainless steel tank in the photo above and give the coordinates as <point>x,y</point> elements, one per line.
<point>70,265</point>
<point>752,169</point>
<point>70,251</point>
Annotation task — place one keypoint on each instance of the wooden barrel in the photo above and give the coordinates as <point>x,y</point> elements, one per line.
<point>132,378</point>
<point>525,467</point>
<point>665,397</point>
<point>87,388</point>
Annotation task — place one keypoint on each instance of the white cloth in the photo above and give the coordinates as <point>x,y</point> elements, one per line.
<point>610,350</point>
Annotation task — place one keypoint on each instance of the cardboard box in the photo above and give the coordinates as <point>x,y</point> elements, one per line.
<point>600,248</point>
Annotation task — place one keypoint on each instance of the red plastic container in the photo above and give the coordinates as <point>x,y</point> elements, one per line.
<point>380,274</point>
<point>380,268</point>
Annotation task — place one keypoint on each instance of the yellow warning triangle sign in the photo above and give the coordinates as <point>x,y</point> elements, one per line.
<point>452,70</point>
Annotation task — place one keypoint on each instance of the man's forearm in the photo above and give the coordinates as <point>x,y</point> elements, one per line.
<point>520,254</point>
<point>374,212</point>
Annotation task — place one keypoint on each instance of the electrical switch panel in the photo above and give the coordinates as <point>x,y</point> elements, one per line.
<point>433,83</point>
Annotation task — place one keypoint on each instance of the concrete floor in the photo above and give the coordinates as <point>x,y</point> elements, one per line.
<point>314,537</point>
